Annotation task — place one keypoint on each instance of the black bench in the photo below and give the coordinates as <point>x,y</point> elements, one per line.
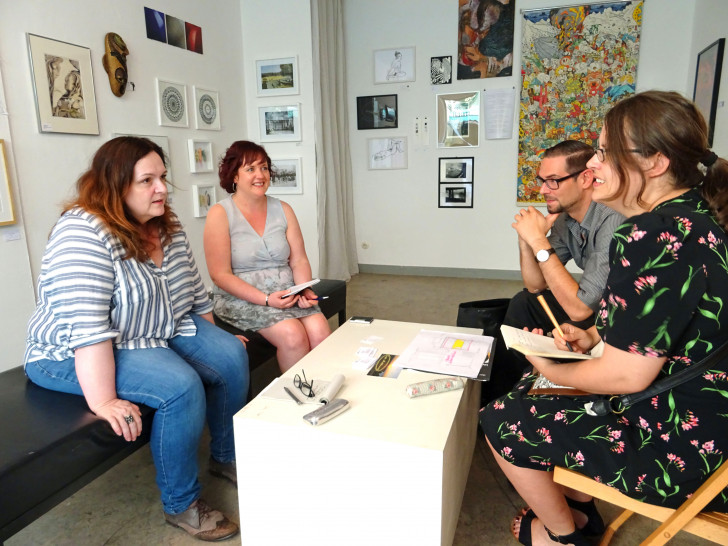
<point>51,445</point>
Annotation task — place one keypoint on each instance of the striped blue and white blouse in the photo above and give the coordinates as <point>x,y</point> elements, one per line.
<point>88,294</point>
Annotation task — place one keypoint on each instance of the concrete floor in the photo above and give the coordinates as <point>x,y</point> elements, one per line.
<point>122,506</point>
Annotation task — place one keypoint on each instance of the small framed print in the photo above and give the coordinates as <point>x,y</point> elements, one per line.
<point>200,156</point>
<point>172,104</point>
<point>277,76</point>
<point>440,70</point>
<point>388,153</point>
<point>455,196</point>
<point>63,85</point>
<point>394,65</point>
<point>285,176</point>
<point>280,123</point>
<point>7,213</point>
<point>203,197</point>
<point>707,83</point>
<point>207,109</point>
<point>456,169</point>
<point>376,112</point>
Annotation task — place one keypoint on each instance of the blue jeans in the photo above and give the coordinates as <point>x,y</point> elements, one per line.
<point>202,374</point>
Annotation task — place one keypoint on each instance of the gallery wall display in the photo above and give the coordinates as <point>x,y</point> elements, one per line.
<point>277,76</point>
<point>458,119</point>
<point>394,65</point>
<point>455,196</point>
<point>388,153</point>
<point>285,176</point>
<point>200,156</point>
<point>440,70</point>
<point>7,212</point>
<point>455,182</point>
<point>485,38</point>
<point>203,197</point>
<point>172,103</point>
<point>172,30</point>
<point>456,169</point>
<point>280,123</point>
<point>377,112</point>
<point>707,83</point>
<point>207,109</point>
<point>63,86</point>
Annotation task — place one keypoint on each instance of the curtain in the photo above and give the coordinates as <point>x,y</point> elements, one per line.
<point>334,202</point>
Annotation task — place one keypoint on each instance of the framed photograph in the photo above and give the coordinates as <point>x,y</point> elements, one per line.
<point>207,109</point>
<point>456,169</point>
<point>203,197</point>
<point>200,156</point>
<point>277,76</point>
<point>285,176</point>
<point>394,65</point>
<point>458,119</point>
<point>172,103</point>
<point>707,83</point>
<point>377,112</point>
<point>162,142</point>
<point>456,196</point>
<point>63,85</point>
<point>440,70</point>
<point>7,212</point>
<point>388,153</point>
<point>280,123</point>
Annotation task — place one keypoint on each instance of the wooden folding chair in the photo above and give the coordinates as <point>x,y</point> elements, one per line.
<point>712,526</point>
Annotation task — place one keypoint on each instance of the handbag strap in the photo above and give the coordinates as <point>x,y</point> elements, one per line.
<point>617,404</point>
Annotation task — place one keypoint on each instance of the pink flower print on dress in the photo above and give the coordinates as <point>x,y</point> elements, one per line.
<point>642,282</point>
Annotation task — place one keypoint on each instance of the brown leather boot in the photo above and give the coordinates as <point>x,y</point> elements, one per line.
<point>203,522</point>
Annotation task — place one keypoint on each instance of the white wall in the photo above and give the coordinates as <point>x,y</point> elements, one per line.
<point>47,165</point>
<point>396,211</point>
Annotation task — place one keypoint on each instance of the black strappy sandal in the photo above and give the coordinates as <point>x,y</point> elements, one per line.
<point>576,538</point>
<point>594,525</point>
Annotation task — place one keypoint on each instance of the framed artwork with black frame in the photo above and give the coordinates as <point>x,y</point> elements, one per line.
<point>707,83</point>
<point>455,182</point>
<point>377,112</point>
<point>455,196</point>
<point>456,169</point>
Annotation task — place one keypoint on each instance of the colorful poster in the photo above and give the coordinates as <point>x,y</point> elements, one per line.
<point>485,38</point>
<point>576,62</point>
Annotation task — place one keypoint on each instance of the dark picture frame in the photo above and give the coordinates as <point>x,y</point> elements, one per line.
<point>455,182</point>
<point>707,83</point>
<point>456,169</point>
<point>455,196</point>
<point>377,112</point>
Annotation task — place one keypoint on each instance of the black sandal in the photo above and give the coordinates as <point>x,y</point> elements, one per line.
<point>594,525</point>
<point>576,538</point>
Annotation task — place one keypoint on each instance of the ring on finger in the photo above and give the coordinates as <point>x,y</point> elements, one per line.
<point>129,419</point>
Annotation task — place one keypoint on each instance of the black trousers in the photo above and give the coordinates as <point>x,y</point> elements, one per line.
<point>524,310</point>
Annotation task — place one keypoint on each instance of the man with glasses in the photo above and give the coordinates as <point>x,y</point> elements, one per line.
<point>581,230</point>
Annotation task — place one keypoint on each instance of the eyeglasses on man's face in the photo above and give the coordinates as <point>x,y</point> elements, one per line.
<point>601,153</point>
<point>303,385</point>
<point>553,183</point>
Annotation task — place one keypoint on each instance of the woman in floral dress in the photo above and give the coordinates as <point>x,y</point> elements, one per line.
<point>664,308</point>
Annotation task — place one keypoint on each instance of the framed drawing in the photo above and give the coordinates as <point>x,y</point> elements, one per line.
<point>707,83</point>
<point>207,109</point>
<point>200,156</point>
<point>280,123</point>
<point>440,70</point>
<point>377,112</point>
<point>455,196</point>
<point>63,85</point>
<point>394,65</point>
<point>7,212</point>
<point>172,103</point>
<point>458,119</point>
<point>456,169</point>
<point>203,197</point>
<point>162,142</point>
<point>285,176</point>
<point>277,76</point>
<point>388,153</point>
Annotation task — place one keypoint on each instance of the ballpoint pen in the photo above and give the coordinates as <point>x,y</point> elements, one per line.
<point>546,308</point>
<point>288,391</point>
<point>319,298</point>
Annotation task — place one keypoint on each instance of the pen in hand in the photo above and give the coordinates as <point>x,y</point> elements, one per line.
<point>319,298</point>
<point>546,308</point>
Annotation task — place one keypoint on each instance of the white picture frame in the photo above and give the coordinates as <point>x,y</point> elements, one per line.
<point>162,142</point>
<point>277,77</point>
<point>63,86</point>
<point>172,104</point>
<point>394,65</point>
<point>207,109</point>
<point>388,153</point>
<point>280,123</point>
<point>458,119</point>
<point>200,156</point>
<point>285,177</point>
<point>457,170</point>
<point>7,212</point>
<point>203,197</point>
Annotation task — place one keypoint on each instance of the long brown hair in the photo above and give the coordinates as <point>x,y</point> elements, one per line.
<point>101,190</point>
<point>668,123</point>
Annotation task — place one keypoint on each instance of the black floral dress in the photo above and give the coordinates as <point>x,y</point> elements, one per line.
<point>667,295</point>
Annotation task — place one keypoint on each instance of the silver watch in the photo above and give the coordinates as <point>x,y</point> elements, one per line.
<point>544,254</point>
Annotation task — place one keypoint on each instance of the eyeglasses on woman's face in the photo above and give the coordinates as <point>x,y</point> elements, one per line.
<point>601,153</point>
<point>553,183</point>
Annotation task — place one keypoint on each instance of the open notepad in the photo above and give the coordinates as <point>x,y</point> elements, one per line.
<point>529,343</point>
<point>293,290</point>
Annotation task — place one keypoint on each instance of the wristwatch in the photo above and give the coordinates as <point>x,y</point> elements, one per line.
<point>543,254</point>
